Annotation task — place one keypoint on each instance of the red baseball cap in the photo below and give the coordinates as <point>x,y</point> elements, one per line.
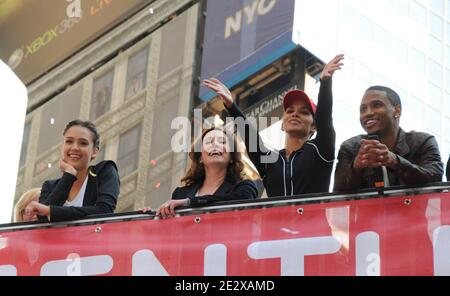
<point>296,94</point>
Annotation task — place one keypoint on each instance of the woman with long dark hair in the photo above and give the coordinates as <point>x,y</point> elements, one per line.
<point>216,174</point>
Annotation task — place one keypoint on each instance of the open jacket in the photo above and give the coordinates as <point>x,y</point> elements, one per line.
<point>307,170</point>
<point>102,191</point>
<point>417,153</point>
<point>245,189</point>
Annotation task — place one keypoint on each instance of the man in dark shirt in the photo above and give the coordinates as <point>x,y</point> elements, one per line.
<point>396,158</point>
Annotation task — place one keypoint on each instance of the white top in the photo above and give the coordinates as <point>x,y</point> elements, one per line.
<point>78,200</point>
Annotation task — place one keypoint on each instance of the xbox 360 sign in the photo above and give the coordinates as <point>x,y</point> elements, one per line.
<point>35,36</point>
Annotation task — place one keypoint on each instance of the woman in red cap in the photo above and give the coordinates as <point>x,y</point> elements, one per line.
<point>305,164</point>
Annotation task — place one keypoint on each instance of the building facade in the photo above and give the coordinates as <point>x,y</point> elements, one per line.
<point>131,97</point>
<point>135,79</point>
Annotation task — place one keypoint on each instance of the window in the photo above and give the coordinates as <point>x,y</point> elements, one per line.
<point>55,116</point>
<point>437,6</point>
<point>434,96</point>
<point>435,72</point>
<point>448,33</point>
<point>435,48</point>
<point>417,60</point>
<point>101,95</point>
<point>129,142</point>
<point>434,120</point>
<point>365,28</point>
<point>447,130</point>
<point>436,25</point>
<point>448,9</point>
<point>348,17</point>
<point>419,13</point>
<point>400,49</point>
<point>363,74</point>
<point>173,41</point>
<point>136,73</point>
<point>446,104</point>
<point>447,55</point>
<point>416,108</point>
<point>447,79</point>
<point>25,139</point>
<point>382,38</point>
<point>162,131</point>
<point>401,6</point>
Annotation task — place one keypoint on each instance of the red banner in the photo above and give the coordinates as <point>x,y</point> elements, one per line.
<point>387,236</point>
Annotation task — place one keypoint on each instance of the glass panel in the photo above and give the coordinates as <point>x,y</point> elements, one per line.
<point>437,6</point>
<point>435,72</point>
<point>137,73</point>
<point>128,155</point>
<point>25,140</point>
<point>435,48</point>
<point>162,132</point>
<point>172,45</point>
<point>419,13</point>
<point>448,33</point>
<point>101,95</point>
<point>447,79</point>
<point>55,116</point>
<point>434,120</point>
<point>434,96</point>
<point>436,25</point>
<point>400,49</point>
<point>418,60</point>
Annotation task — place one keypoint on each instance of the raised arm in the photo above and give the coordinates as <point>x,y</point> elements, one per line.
<point>259,154</point>
<point>326,135</point>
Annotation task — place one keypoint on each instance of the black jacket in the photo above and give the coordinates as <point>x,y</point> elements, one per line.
<point>308,170</point>
<point>102,191</point>
<point>245,189</point>
<point>419,163</point>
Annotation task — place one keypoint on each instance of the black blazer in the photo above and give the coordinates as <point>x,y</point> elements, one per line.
<point>245,189</point>
<point>102,191</point>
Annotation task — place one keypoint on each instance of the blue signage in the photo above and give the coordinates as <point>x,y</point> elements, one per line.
<point>244,36</point>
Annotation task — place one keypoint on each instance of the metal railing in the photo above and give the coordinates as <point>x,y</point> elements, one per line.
<point>242,205</point>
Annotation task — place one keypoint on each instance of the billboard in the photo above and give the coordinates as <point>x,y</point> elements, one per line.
<point>244,36</point>
<point>36,35</point>
<point>404,235</point>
